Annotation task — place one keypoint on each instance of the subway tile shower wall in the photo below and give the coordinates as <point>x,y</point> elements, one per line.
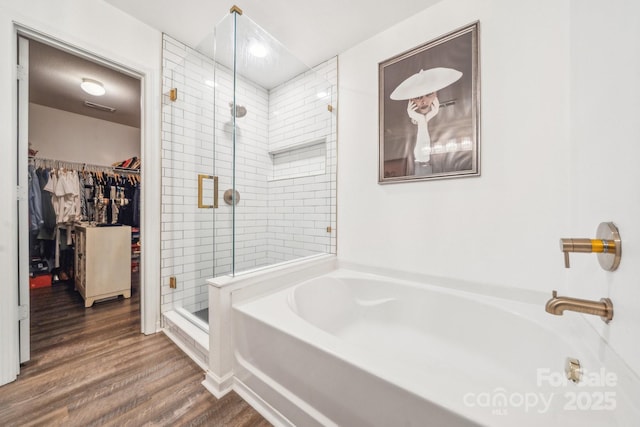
<point>285,171</point>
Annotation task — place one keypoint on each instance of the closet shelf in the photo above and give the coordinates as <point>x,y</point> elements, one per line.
<point>54,163</point>
<point>125,170</point>
<point>297,146</point>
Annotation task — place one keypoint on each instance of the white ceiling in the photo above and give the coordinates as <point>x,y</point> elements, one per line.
<point>55,77</point>
<point>313,31</point>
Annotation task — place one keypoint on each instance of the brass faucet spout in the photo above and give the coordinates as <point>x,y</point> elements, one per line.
<point>557,306</point>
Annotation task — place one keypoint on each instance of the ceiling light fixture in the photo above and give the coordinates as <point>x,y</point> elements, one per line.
<point>93,87</point>
<point>258,49</point>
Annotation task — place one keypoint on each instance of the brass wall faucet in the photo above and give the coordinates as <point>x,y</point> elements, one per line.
<point>603,308</point>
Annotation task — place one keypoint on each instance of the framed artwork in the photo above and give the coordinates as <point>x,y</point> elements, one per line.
<point>429,105</point>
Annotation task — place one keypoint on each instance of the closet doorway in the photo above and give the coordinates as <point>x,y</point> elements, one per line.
<point>79,134</point>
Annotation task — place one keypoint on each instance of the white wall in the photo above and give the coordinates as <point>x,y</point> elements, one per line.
<point>88,25</point>
<point>502,227</point>
<point>62,135</point>
<point>604,180</point>
<point>557,153</point>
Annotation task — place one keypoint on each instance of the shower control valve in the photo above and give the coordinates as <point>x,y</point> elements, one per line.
<point>607,245</point>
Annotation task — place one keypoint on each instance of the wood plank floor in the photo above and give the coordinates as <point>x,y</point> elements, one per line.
<point>93,367</point>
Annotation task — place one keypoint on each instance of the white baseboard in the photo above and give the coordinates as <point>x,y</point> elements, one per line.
<point>267,411</point>
<point>218,386</point>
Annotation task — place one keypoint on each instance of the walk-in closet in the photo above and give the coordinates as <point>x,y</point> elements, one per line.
<point>84,179</point>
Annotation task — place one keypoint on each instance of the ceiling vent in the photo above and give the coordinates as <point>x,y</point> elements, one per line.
<point>99,106</point>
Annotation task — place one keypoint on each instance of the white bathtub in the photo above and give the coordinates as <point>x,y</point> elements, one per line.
<point>355,349</point>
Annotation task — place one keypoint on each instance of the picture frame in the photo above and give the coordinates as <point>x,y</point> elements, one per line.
<point>429,110</point>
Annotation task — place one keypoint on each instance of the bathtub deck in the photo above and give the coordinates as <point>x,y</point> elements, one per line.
<point>93,367</point>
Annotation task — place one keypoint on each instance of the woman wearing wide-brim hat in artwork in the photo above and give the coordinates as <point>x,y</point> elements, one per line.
<point>420,90</point>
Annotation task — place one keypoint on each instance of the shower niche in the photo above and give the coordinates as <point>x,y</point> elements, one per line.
<point>243,109</point>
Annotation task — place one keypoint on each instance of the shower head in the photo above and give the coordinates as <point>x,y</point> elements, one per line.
<point>241,111</point>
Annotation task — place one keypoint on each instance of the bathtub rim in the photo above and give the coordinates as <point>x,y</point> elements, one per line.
<point>496,290</point>
<point>246,277</point>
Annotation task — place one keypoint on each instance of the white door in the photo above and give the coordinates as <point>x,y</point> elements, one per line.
<point>23,198</point>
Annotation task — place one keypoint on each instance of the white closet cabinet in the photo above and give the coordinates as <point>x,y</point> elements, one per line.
<point>102,262</point>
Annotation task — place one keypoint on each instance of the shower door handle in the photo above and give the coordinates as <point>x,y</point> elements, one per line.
<point>201,204</point>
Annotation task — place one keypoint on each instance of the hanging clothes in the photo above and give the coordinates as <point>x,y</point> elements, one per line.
<point>136,207</point>
<point>80,195</point>
<point>35,201</point>
<point>62,194</point>
<point>47,229</point>
<point>64,187</point>
<point>127,203</point>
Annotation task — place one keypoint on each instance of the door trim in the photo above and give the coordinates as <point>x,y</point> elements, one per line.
<point>150,173</point>
<point>22,141</point>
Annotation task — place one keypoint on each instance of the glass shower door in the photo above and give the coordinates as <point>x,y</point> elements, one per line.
<point>274,116</point>
<point>190,196</point>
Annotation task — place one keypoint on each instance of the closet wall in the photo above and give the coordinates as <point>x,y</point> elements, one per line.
<point>62,135</point>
